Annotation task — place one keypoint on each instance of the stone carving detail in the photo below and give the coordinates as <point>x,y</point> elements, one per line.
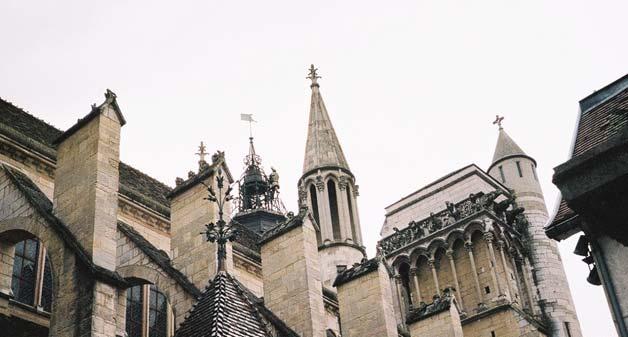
<point>454,213</point>
<point>302,195</point>
<point>320,184</point>
<point>343,182</point>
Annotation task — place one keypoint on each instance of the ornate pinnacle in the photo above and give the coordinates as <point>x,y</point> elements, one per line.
<point>201,152</point>
<point>220,232</point>
<point>313,75</point>
<point>498,121</point>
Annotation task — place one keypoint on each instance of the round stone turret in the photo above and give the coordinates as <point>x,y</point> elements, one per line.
<point>517,171</point>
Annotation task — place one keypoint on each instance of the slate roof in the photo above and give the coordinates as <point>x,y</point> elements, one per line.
<point>38,135</point>
<point>439,305</point>
<point>356,271</point>
<point>322,148</point>
<point>291,222</point>
<point>159,257</point>
<point>43,206</point>
<point>227,309</point>
<point>603,115</point>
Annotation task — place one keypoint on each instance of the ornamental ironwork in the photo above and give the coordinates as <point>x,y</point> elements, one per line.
<point>504,210</point>
<point>220,232</point>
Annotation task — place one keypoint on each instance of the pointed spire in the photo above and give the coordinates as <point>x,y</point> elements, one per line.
<point>506,147</point>
<point>322,148</point>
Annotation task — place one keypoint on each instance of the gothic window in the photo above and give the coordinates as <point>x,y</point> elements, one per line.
<point>134,311</point>
<point>519,169</point>
<point>157,317</point>
<point>534,172</point>
<point>333,209</point>
<point>31,280</point>
<point>404,272</point>
<point>314,200</point>
<point>354,230</point>
<point>501,173</point>
<point>147,312</point>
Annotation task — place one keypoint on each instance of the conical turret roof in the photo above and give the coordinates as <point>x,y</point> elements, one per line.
<point>322,148</point>
<point>506,148</point>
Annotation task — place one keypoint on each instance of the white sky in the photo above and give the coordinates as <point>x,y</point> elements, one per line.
<point>411,86</point>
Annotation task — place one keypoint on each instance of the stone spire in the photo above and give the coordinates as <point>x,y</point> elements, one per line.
<point>322,148</point>
<point>506,148</point>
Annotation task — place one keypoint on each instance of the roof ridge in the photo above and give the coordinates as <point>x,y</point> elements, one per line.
<point>30,114</point>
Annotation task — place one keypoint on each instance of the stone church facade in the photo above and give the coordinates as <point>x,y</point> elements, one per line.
<point>90,246</point>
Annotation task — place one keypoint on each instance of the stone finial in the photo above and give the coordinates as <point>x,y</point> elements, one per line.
<point>178,181</point>
<point>313,75</point>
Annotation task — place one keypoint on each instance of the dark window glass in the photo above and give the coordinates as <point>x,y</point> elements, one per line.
<point>333,208</point>
<point>487,289</point>
<point>519,169</point>
<point>25,271</point>
<point>157,316</point>
<point>501,174</point>
<point>46,290</point>
<point>134,311</point>
<point>314,200</point>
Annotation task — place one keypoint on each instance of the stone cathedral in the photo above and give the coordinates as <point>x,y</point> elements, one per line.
<point>90,246</point>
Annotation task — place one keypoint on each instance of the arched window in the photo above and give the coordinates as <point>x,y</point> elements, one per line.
<point>404,272</point>
<point>314,200</point>
<point>333,208</point>
<point>31,280</point>
<point>147,312</point>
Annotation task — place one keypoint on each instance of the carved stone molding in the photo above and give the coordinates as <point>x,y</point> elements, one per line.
<point>320,184</point>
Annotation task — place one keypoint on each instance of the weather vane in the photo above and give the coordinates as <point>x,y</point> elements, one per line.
<point>201,152</point>
<point>498,121</point>
<point>313,75</point>
<point>248,118</point>
<point>220,232</point>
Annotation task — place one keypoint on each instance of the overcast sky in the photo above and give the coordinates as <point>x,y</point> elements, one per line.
<point>412,87</point>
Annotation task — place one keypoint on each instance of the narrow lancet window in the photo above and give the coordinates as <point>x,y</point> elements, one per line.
<point>333,209</point>
<point>519,169</point>
<point>314,200</point>
<point>501,174</point>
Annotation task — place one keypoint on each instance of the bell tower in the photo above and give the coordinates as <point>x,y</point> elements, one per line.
<point>517,171</point>
<point>328,188</point>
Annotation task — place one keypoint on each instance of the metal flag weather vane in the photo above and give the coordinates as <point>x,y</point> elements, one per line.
<point>498,121</point>
<point>248,118</point>
<point>220,232</point>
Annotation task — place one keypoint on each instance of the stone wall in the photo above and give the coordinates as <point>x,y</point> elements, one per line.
<point>366,306</point>
<point>292,283</point>
<point>86,185</point>
<point>504,322</point>
<point>443,324</point>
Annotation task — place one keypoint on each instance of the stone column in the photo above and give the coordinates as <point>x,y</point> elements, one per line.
<point>402,304</point>
<point>356,215</point>
<point>327,233</point>
<point>500,248</point>
<point>452,263</point>
<point>516,272</point>
<point>469,247</point>
<point>343,211</point>
<point>528,283</point>
<point>414,273</point>
<point>488,237</point>
<point>432,265</point>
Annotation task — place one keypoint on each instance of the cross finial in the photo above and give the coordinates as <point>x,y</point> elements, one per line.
<point>498,121</point>
<point>313,75</point>
<point>201,152</point>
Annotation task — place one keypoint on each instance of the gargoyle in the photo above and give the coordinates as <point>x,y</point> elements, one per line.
<point>453,211</point>
<point>511,215</point>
